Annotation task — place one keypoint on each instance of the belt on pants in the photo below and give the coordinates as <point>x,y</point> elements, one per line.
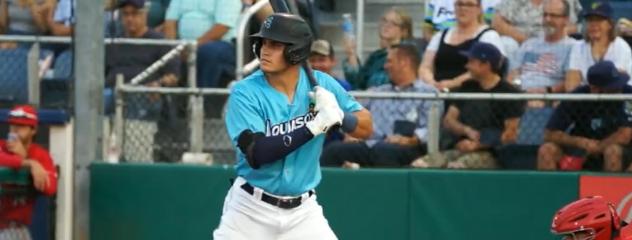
<point>285,203</point>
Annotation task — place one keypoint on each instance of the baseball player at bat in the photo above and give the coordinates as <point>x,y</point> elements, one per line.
<point>279,139</point>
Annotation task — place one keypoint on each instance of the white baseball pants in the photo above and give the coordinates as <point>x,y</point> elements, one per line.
<point>246,217</point>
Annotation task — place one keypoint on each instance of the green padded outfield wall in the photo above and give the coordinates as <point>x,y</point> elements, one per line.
<point>134,201</point>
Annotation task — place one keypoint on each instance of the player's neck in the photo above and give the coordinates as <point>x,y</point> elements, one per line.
<point>285,81</point>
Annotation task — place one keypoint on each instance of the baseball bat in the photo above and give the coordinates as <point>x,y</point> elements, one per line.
<point>281,6</point>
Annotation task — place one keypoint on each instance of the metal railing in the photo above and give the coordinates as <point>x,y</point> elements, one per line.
<point>242,34</point>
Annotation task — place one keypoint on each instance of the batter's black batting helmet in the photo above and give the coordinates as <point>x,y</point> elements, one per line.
<point>289,29</point>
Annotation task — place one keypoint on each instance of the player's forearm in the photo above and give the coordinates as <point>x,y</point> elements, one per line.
<point>573,79</point>
<point>171,29</point>
<point>10,160</point>
<point>260,149</point>
<point>562,138</point>
<point>621,136</point>
<point>454,126</point>
<point>364,128</point>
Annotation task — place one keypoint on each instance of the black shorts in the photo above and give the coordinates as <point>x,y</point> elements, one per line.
<point>595,162</point>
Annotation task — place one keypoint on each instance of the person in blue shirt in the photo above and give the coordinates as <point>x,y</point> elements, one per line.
<point>276,120</point>
<point>400,126</point>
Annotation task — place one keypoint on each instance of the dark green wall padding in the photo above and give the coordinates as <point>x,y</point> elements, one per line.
<point>134,201</point>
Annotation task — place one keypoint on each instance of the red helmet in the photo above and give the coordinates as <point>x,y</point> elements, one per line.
<point>591,215</point>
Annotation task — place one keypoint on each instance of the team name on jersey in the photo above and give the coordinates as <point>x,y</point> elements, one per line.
<point>288,126</point>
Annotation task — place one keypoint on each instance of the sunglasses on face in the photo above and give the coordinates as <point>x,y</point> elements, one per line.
<point>553,15</point>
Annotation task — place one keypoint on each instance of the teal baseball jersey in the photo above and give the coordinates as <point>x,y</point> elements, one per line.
<point>256,106</point>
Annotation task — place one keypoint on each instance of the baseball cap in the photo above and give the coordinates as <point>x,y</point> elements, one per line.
<point>322,47</point>
<point>23,115</point>
<point>485,52</point>
<point>134,3</point>
<point>599,8</point>
<point>605,74</point>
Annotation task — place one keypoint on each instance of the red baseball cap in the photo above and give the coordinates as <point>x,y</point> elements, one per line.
<point>23,115</point>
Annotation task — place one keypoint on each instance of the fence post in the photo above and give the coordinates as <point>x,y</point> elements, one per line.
<point>33,74</point>
<point>360,29</point>
<point>118,113</point>
<point>196,103</point>
<point>434,119</point>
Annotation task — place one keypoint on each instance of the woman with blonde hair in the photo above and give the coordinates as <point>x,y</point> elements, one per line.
<point>395,26</point>
<point>442,65</point>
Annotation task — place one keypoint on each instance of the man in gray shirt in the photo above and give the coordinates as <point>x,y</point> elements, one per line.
<point>541,62</point>
<point>399,125</point>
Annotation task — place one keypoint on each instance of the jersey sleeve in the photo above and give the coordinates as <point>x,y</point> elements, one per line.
<point>347,102</point>
<point>242,114</point>
<point>173,11</point>
<point>228,14</point>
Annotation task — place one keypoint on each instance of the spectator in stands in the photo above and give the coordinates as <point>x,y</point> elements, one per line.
<point>441,13</point>
<point>600,43</point>
<point>322,59</point>
<point>476,127</point>
<point>212,24</point>
<point>519,20</point>
<point>395,26</point>
<point>599,130</point>
<point>24,17</point>
<point>19,151</point>
<point>61,17</point>
<point>130,60</point>
<point>541,62</point>
<point>400,125</point>
<point>442,65</point>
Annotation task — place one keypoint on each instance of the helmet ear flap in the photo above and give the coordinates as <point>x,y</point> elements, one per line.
<point>256,48</point>
<point>296,53</point>
<point>616,220</point>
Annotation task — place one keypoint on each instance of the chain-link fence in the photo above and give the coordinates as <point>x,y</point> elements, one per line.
<point>513,123</point>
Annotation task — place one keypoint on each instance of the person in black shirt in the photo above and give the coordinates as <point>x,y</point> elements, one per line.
<point>130,60</point>
<point>476,126</point>
<point>164,110</point>
<point>591,132</point>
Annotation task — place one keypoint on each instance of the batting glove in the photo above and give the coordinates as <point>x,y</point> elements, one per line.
<point>325,119</point>
<point>323,98</point>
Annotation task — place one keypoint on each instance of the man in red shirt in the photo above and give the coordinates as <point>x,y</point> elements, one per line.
<point>16,152</point>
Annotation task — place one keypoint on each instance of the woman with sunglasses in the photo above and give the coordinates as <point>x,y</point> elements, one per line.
<point>443,66</point>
